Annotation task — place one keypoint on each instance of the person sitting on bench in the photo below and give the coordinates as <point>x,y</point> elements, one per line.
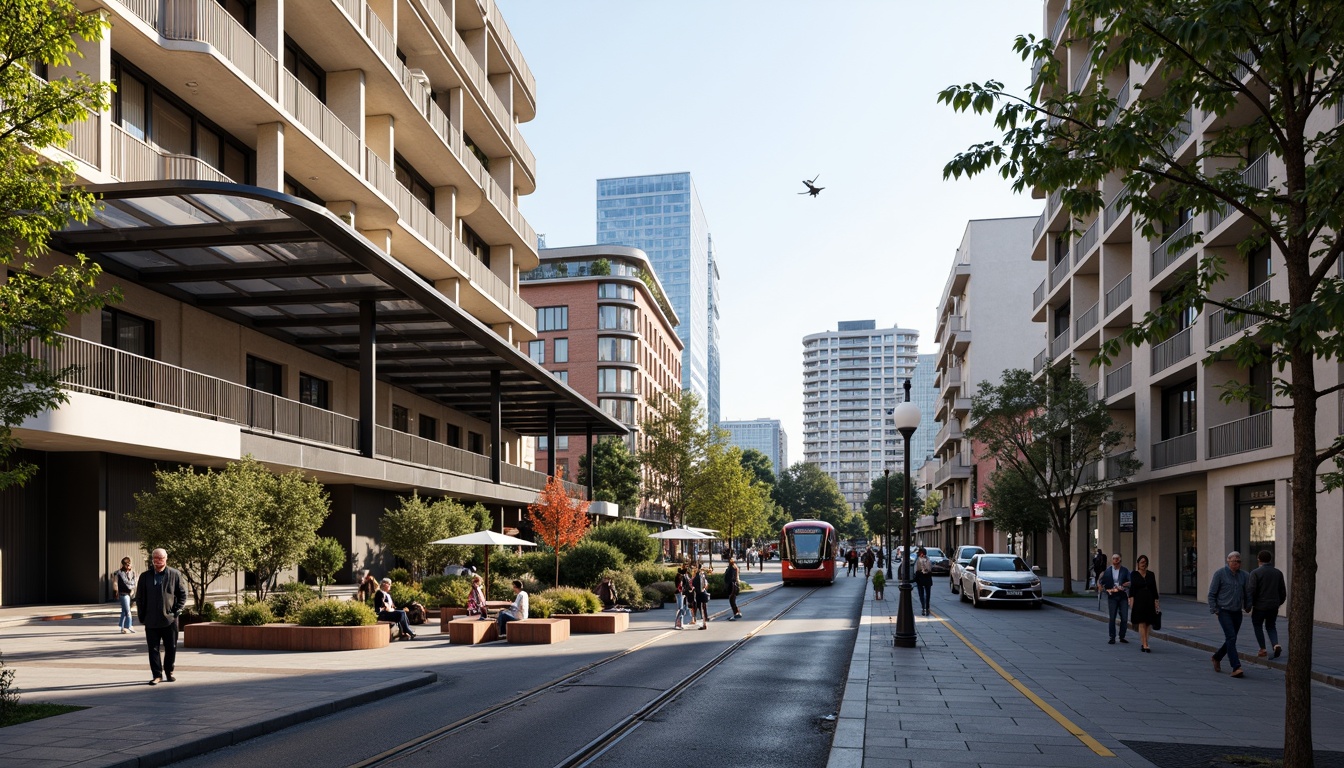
<point>387,610</point>
<point>516,611</point>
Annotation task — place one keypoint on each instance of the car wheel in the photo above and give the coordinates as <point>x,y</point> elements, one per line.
<point>975,598</point>
<point>952,585</point>
<point>962,594</point>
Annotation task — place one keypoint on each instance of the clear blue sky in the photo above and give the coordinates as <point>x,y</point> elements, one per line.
<point>752,97</point>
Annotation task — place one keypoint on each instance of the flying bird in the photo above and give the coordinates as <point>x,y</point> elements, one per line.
<point>812,188</point>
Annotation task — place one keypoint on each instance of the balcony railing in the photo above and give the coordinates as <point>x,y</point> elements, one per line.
<point>1178,134</point>
<point>1039,362</point>
<point>1226,322</point>
<point>206,21</point>
<point>1039,226</point>
<point>84,137</point>
<point>1171,248</point>
<point>1092,392</point>
<point>1038,296</point>
<point>494,286</point>
<point>1121,101</point>
<point>135,160</point>
<point>1248,434</point>
<point>959,466</point>
<point>1115,465</point>
<point>1059,345</point>
<point>1080,77</point>
<point>1172,351</point>
<point>1255,175</point>
<point>1085,243</point>
<point>1119,380</point>
<point>510,47</point>
<point>1177,450</point>
<point>1119,294</point>
<point>1053,202</point>
<point>1059,271</point>
<point>1115,209</point>
<point>311,113</point>
<point>1086,321</point>
<point>1091,472</point>
<point>109,372</point>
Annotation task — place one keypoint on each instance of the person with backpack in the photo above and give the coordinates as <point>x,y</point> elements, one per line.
<point>701,587</point>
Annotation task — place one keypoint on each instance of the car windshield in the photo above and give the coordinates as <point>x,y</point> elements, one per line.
<point>1002,564</point>
<point>934,552</point>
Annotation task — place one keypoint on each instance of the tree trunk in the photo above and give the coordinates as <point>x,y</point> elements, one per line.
<point>1297,747</point>
<point>1065,533</point>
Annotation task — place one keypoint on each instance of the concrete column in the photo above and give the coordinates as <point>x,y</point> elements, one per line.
<point>476,45</point>
<point>503,331</point>
<point>501,263</point>
<point>345,209</point>
<point>588,441</point>
<point>345,99</point>
<point>368,382</point>
<point>502,170</point>
<point>379,237</point>
<point>453,106</point>
<point>496,425</point>
<point>271,27</point>
<point>271,156</point>
<point>450,288</point>
<point>380,136</point>
<point>503,84</point>
<point>551,441</point>
<point>95,61</point>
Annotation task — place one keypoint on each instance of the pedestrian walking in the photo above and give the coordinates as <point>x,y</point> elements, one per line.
<point>683,584</point>
<point>1098,565</point>
<point>1115,581</point>
<point>923,579</point>
<point>159,600</point>
<point>701,589</point>
<point>730,582</point>
<point>868,559</point>
<point>1144,607</point>
<point>1268,592</point>
<point>1229,598</point>
<point>852,562</point>
<point>123,582</point>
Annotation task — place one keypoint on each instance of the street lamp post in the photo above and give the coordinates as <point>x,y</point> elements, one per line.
<point>886,489</point>
<point>906,420</point>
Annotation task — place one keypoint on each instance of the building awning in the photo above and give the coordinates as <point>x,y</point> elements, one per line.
<point>293,270</point>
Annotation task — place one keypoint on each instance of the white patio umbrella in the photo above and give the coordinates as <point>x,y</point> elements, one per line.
<point>681,534</point>
<point>486,539</point>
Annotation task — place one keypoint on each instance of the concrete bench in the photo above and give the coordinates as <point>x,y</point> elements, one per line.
<point>538,631</point>
<point>470,631</point>
<point>596,623</point>
<point>448,613</point>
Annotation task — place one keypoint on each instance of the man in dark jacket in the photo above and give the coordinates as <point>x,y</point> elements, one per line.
<point>1268,592</point>
<point>159,598</point>
<point>1115,582</point>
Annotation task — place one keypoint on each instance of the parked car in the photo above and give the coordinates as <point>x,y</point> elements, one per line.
<point>960,559</point>
<point>999,578</point>
<point>939,565</point>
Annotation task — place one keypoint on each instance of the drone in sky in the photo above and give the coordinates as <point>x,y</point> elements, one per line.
<point>812,188</point>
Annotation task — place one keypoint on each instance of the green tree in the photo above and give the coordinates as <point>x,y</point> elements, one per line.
<point>1263,72</point>
<point>759,465</point>
<point>36,200</point>
<point>1054,437</point>
<point>207,521</point>
<point>932,503</point>
<point>616,474</point>
<point>630,537</point>
<point>324,559</point>
<point>287,520</point>
<point>411,529</point>
<point>1014,506</point>
<point>678,441</point>
<point>726,499</point>
<point>806,492</point>
<point>875,506</point>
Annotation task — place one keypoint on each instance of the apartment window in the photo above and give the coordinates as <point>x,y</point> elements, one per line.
<point>563,376</point>
<point>620,410</point>
<point>1179,410</point>
<point>314,391</point>
<point>1187,315</point>
<point>616,380</point>
<point>616,350</point>
<point>265,376</point>
<point>561,443</point>
<point>242,12</point>
<point>401,418</point>
<point>1259,266</point>
<point>429,427</point>
<point>553,318</point>
<point>411,179</point>
<point>296,189</point>
<point>476,244</point>
<point>560,350</point>
<point>615,319</point>
<point>452,435</point>
<point>128,333</point>
<point>1262,382</point>
<point>305,70</point>
<point>1061,320</point>
<point>616,291</point>
<point>537,351</point>
<point>476,150</point>
<point>476,442</point>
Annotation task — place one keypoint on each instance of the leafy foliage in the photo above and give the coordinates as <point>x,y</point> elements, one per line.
<point>248,614</point>
<point>539,607</point>
<point>410,530</point>
<point>285,603</point>
<point>1014,504</point>
<point>760,467</point>
<point>583,565</point>
<point>628,591</point>
<point>631,538</point>
<point>677,442</point>
<point>724,497</point>
<point>324,559</point>
<point>875,506</point>
<point>648,573</point>
<point>806,492</point>
<point>557,518</point>
<point>335,613</point>
<point>286,520</point>
<point>451,591</point>
<point>399,576</point>
<point>9,696</point>
<point>573,600</point>
<point>36,200</point>
<point>616,474</point>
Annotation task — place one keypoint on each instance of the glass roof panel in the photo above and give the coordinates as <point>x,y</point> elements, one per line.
<point>204,289</point>
<point>351,281</point>
<point>230,208</point>
<point>306,251</point>
<point>142,259</point>
<point>304,310</point>
<point>244,254</point>
<point>293,283</point>
<point>169,210</point>
<point>113,216</point>
<point>193,255</point>
<point>259,311</point>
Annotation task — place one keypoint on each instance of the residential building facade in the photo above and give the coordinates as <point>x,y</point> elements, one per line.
<point>605,328</point>
<point>660,214</point>
<point>852,379</point>
<point>1214,475</point>
<point>764,435</point>
<point>984,329</point>
<point>311,213</point>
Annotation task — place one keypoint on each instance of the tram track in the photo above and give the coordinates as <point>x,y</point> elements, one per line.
<point>412,746</point>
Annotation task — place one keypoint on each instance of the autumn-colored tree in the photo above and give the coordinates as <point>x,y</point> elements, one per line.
<point>558,518</point>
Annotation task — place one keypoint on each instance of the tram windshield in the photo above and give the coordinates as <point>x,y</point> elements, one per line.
<point>808,544</point>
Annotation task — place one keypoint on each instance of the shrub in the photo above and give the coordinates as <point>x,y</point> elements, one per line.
<point>648,573</point>
<point>208,612</point>
<point>447,590</point>
<point>539,607</point>
<point>572,600</point>
<point>248,614</point>
<point>285,602</point>
<point>403,595</point>
<point>335,613</point>
<point>654,597</point>
<point>297,586</point>
<point>399,576</point>
<point>583,565</point>
<point>718,591</point>
<point>540,563</point>
<point>628,591</point>
<point>631,538</point>
<point>879,581</point>
<point>508,564</point>
<point>668,589</point>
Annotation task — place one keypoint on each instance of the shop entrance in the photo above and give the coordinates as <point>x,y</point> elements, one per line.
<point>1187,544</point>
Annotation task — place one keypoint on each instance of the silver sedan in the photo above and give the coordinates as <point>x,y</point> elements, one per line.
<point>999,578</point>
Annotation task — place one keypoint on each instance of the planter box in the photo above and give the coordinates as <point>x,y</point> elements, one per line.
<point>470,631</point>
<point>538,631</point>
<point>447,614</point>
<point>286,637</point>
<point>594,623</point>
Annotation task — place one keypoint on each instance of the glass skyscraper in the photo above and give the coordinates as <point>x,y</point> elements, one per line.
<point>661,215</point>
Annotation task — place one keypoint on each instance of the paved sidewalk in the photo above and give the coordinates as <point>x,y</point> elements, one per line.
<point>1187,621</point>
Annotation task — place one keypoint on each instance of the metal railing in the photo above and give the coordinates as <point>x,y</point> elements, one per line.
<point>493,285</point>
<point>1093,392</point>
<point>1039,226</point>
<point>1091,472</point>
<point>1053,202</point>
<point>147,10</point>
<point>510,47</point>
<point>1059,271</point>
<point>1115,464</point>
<point>956,467</point>
<point>311,113</point>
<point>135,160</point>
<point>84,139</point>
<point>109,372</point>
<point>1115,208</point>
<point>1121,101</point>
<point>413,449</point>
<point>950,379</point>
<point>1225,322</point>
<point>1245,60</point>
<point>1120,379</point>
<point>206,21</point>
<point>1119,293</point>
<point>1087,321</point>
<point>1179,133</point>
<point>1059,345</point>
<point>1080,77</point>
<point>384,44</point>
<point>1254,175</point>
<point>1039,362</point>
<point>1086,242</point>
<point>1038,296</point>
<point>1177,450</point>
<point>1171,248</point>
<point>1246,434</point>
<point>1172,351</point>
<point>1057,32</point>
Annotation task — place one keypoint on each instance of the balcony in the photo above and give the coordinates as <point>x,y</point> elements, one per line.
<point>1059,345</point>
<point>1080,77</point>
<point>1086,242</point>
<point>1058,272</point>
<point>84,139</point>
<point>206,21</point>
<point>1255,176</point>
<point>1248,434</point>
<point>1115,465</point>
<point>1086,321</point>
<point>1119,294</point>
<point>309,112</point>
<point>1177,450</point>
<point>949,379</point>
<point>1057,32</point>
<point>1039,226</point>
<point>1115,209</point>
<point>1040,361</point>
<point>950,431</point>
<point>1121,101</point>
<point>1172,351</point>
<point>1119,380</point>
<point>1178,134</point>
<point>1038,296</point>
<point>1166,253</point>
<point>1225,322</point>
<point>1092,393</point>
<point>135,160</point>
<point>956,468</point>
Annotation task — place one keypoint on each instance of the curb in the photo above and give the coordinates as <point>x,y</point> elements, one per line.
<point>25,620</point>
<point>1319,677</point>
<point>174,750</point>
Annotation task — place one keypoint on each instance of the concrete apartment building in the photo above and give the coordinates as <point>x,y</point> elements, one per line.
<point>765,435</point>
<point>984,329</point>
<point>1215,475</point>
<point>661,215</point>
<point>311,210</point>
<point>852,380</point>
<point>606,329</point>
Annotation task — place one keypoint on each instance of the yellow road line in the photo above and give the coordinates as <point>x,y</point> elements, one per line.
<point>1068,724</point>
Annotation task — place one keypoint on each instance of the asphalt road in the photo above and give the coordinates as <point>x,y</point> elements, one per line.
<point>764,702</point>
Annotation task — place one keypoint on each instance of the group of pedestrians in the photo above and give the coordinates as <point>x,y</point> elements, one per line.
<point>1132,596</point>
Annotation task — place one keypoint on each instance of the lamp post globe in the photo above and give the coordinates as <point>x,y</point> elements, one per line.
<point>905,418</point>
